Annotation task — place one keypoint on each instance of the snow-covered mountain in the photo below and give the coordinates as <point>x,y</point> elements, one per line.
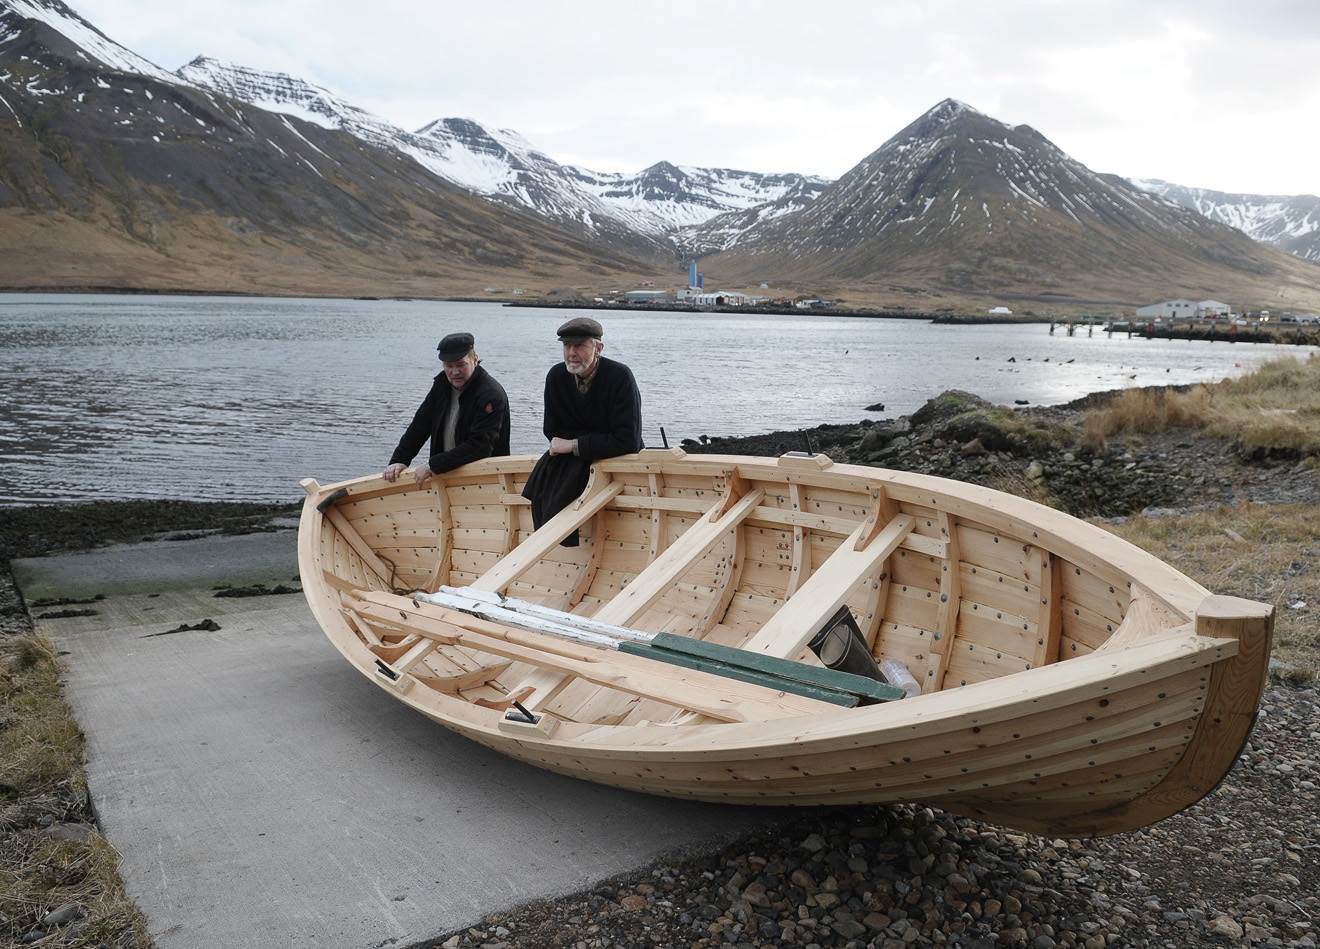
<point>117,173</point>
<point>657,202</point>
<point>1290,222</point>
<point>963,200</point>
<point>68,32</point>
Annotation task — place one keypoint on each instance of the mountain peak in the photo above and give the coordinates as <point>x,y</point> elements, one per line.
<point>946,110</point>
<point>57,16</point>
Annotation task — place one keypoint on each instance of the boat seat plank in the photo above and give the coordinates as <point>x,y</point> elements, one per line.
<point>789,630</point>
<point>694,544</point>
<point>545,540</point>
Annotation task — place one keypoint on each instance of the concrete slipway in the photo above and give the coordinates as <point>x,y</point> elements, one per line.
<point>262,793</point>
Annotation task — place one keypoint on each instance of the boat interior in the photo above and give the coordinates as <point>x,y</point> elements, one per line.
<point>951,580</point>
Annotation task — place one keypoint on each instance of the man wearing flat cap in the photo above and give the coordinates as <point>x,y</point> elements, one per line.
<point>465,415</point>
<point>593,411</point>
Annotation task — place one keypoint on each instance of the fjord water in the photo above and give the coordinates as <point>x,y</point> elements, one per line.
<point>219,398</point>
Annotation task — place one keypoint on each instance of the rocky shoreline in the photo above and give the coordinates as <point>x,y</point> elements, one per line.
<point>1041,453</point>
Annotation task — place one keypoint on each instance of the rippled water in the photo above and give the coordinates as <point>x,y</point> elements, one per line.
<point>238,398</point>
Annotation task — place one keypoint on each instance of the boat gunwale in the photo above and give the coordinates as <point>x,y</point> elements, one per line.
<point>1059,533</point>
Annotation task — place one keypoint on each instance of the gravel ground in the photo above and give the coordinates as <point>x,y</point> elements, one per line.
<point>1239,868</point>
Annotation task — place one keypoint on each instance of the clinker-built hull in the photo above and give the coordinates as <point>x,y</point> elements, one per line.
<point>1071,684</point>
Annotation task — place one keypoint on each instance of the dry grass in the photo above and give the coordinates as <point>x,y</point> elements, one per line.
<point>1276,408</point>
<point>42,782</point>
<point>1274,558</point>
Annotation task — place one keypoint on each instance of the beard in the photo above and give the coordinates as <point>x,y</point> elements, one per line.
<point>583,368</point>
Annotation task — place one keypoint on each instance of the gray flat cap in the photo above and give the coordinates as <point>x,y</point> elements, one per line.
<point>581,327</point>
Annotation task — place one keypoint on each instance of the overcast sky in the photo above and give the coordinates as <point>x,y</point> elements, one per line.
<point>1207,93</point>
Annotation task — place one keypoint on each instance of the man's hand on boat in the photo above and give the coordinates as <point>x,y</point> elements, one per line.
<point>392,472</point>
<point>563,446</point>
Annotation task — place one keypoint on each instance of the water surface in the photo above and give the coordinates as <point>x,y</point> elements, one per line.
<point>223,398</point>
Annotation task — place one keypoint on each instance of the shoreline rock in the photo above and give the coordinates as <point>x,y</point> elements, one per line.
<point>1039,452</point>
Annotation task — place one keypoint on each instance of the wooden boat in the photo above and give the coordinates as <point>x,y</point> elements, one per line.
<point>1071,684</point>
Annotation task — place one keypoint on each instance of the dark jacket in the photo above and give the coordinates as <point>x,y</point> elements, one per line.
<point>606,421</point>
<point>483,423</point>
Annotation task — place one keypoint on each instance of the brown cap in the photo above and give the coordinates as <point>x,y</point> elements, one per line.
<point>581,327</point>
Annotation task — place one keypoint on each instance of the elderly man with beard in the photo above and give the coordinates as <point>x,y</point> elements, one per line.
<point>593,411</point>
<point>465,415</point>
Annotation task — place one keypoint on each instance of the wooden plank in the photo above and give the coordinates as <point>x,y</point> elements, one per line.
<point>799,563</point>
<point>913,606</point>
<point>1049,619</point>
<point>728,582</point>
<point>469,538</point>
<point>656,484</point>
<point>359,546</point>
<point>999,552</point>
<point>510,513</point>
<point>416,500</point>
<point>474,561</point>
<point>946,615</point>
<point>489,490</point>
<point>669,566</point>
<point>826,590</point>
<point>908,644</point>
<point>991,588</point>
<point>596,497</point>
<point>401,537</point>
<point>932,547</point>
<point>995,629</point>
<point>1107,599</point>
<point>1081,624</point>
<point>589,569</point>
<point>915,570</point>
<point>816,522</point>
<point>643,502</point>
<point>479,516</point>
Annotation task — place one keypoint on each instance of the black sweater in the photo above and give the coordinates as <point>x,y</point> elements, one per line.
<point>606,421</point>
<point>483,423</point>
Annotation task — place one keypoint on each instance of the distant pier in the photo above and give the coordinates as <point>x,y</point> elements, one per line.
<point>1279,333</point>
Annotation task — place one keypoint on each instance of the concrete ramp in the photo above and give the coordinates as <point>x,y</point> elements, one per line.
<point>262,793</point>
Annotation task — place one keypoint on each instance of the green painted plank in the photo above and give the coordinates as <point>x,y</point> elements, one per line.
<point>702,664</point>
<point>785,668</point>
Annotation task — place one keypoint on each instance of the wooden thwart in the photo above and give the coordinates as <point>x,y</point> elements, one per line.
<point>547,538</point>
<point>662,572</point>
<point>792,627</point>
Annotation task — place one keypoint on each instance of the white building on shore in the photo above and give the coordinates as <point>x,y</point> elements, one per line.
<point>1184,309</point>
<point>725,298</point>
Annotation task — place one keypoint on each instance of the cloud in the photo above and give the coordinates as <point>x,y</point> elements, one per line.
<point>1211,93</point>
